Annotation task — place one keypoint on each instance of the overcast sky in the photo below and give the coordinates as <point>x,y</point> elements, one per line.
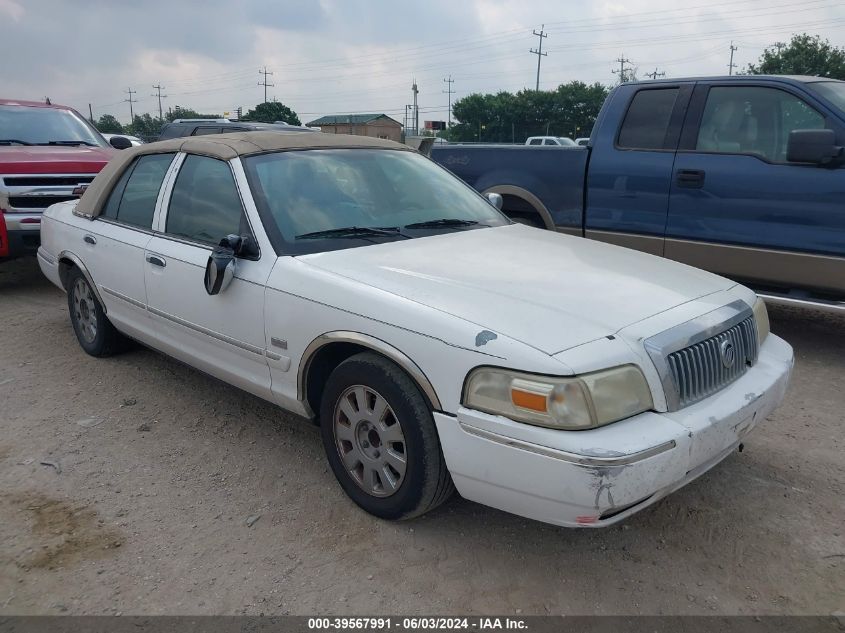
<point>341,56</point>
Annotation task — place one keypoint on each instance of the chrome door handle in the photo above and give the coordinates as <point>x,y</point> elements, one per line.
<point>90,239</point>
<point>155,260</point>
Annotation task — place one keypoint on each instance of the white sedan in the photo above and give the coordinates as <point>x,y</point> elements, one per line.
<point>438,346</point>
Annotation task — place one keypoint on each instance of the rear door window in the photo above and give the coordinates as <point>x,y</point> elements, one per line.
<point>647,120</point>
<point>133,199</point>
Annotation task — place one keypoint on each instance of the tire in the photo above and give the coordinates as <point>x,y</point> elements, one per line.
<point>95,333</point>
<point>362,447</point>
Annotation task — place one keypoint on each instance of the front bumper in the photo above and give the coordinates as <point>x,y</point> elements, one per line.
<point>598,477</point>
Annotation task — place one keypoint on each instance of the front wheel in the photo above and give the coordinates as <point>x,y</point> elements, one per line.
<point>380,439</point>
<point>95,333</point>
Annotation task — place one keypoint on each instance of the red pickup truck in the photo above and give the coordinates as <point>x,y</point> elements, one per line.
<point>46,151</point>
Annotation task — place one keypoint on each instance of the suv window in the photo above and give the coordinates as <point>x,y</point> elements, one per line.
<point>205,205</point>
<point>753,120</point>
<point>133,199</point>
<point>549,141</point>
<point>647,119</point>
<point>207,130</point>
<point>536,141</point>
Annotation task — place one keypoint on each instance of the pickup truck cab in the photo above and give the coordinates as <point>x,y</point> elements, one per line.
<point>46,151</point>
<point>742,176</point>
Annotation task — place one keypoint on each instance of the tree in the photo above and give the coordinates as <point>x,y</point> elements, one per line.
<point>179,112</point>
<point>570,110</point>
<point>270,112</point>
<point>108,124</point>
<point>804,55</point>
<point>145,126</point>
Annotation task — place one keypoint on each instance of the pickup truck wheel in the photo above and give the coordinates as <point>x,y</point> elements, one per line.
<point>95,333</point>
<point>380,439</point>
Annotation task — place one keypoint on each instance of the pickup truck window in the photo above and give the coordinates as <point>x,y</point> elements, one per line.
<point>647,119</point>
<point>133,199</point>
<point>753,120</point>
<point>205,205</point>
<point>833,91</point>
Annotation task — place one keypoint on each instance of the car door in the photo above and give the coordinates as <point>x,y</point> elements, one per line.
<point>738,208</point>
<point>112,247</point>
<point>222,334</point>
<point>630,168</point>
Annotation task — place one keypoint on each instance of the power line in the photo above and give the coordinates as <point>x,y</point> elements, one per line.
<point>449,91</point>
<point>655,74</point>
<point>160,97</point>
<point>539,52</point>
<point>731,65</point>
<point>131,92</point>
<point>264,83</point>
<point>621,72</point>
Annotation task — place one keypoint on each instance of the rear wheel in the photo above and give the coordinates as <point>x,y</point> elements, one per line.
<point>95,333</point>
<point>380,439</point>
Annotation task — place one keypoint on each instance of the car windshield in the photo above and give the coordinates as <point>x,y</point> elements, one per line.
<point>28,125</point>
<point>833,91</point>
<point>566,142</point>
<point>327,199</point>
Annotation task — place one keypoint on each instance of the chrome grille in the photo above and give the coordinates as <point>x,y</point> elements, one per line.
<point>704,368</point>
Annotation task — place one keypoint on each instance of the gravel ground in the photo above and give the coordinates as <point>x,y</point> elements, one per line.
<point>137,485</point>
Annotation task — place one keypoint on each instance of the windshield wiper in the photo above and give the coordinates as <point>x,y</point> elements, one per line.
<point>353,231</point>
<point>68,143</point>
<point>442,222</point>
<point>9,141</point>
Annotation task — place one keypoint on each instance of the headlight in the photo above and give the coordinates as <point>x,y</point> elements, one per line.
<point>761,320</point>
<point>580,402</point>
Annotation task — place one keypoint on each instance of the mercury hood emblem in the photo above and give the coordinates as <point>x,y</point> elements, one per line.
<point>728,353</point>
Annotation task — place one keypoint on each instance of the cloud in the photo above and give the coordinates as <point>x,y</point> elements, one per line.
<point>361,55</point>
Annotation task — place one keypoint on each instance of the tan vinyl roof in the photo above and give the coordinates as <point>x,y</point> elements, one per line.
<point>224,147</point>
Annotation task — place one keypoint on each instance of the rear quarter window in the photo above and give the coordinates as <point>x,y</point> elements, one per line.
<point>647,120</point>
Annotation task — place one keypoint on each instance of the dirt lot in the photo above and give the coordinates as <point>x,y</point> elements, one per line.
<point>126,485</point>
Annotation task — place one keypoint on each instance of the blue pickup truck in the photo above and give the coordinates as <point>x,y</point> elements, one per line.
<point>743,176</point>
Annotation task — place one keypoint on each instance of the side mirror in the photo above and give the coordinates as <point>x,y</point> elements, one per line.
<point>496,200</point>
<point>120,142</point>
<point>220,268</point>
<point>812,146</point>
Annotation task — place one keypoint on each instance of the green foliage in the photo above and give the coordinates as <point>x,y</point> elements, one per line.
<point>803,55</point>
<point>505,117</point>
<point>179,112</point>
<point>108,124</point>
<point>270,112</point>
<point>145,127</point>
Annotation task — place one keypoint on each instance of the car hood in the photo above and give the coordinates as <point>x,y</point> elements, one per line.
<point>548,290</point>
<point>50,159</point>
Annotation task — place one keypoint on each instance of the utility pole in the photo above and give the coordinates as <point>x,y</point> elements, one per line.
<point>731,65</point>
<point>621,72</point>
<point>416,109</point>
<point>90,114</point>
<point>131,92</point>
<point>655,74</point>
<point>263,82</point>
<point>539,53</point>
<point>449,91</point>
<point>160,97</point>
